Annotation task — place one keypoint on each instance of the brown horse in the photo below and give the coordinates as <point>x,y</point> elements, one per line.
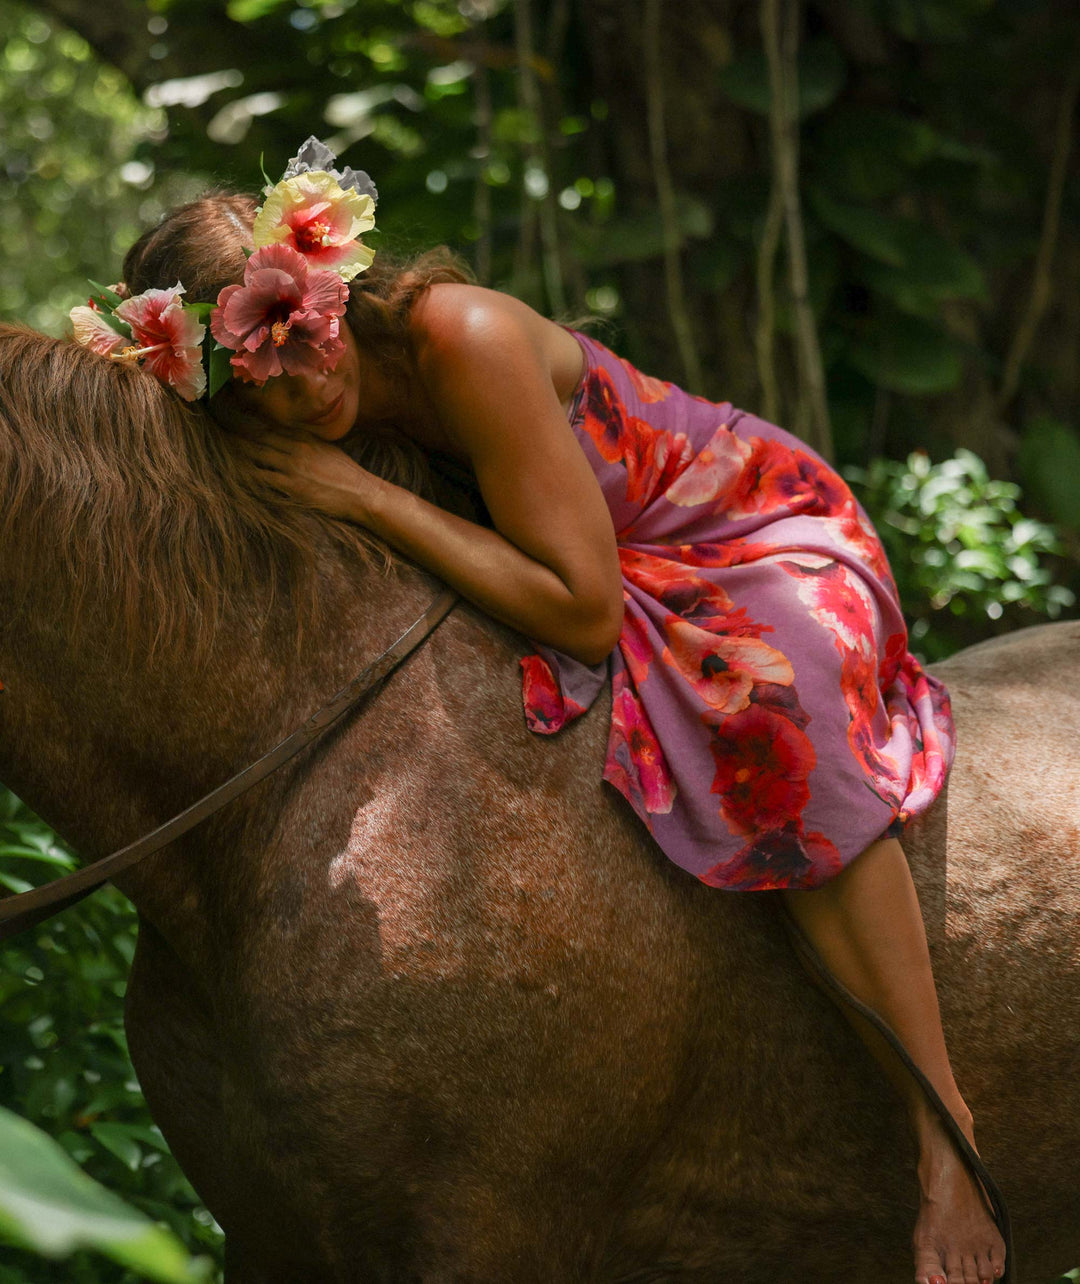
<point>428,1005</point>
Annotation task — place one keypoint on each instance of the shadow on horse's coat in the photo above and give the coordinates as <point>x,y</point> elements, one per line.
<point>428,1004</point>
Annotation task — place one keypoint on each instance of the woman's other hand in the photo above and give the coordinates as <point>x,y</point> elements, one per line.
<point>306,468</point>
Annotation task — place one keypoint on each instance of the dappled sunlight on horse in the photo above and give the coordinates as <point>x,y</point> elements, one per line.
<point>428,1004</point>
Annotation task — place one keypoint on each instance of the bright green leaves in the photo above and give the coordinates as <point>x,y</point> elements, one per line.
<point>49,1206</point>
<point>960,545</point>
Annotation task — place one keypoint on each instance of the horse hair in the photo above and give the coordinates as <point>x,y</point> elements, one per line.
<point>160,528</point>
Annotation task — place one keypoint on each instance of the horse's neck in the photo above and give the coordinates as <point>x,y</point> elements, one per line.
<point>106,754</point>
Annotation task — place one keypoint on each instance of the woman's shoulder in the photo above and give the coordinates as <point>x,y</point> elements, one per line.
<point>474,326</point>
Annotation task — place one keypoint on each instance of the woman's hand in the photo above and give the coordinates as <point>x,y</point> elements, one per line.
<point>304,467</point>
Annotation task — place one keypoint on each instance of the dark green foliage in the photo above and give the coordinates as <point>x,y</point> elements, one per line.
<point>63,1055</point>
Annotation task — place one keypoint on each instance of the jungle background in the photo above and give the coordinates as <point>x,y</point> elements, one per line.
<point>858,218</point>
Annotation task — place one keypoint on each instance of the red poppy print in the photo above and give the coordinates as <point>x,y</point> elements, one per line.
<point>650,390</point>
<point>767,719</point>
<point>635,762</point>
<point>777,478</point>
<point>547,709</point>
<point>776,859</point>
<point>763,762</point>
<point>722,670</point>
<point>636,647</point>
<point>733,552</point>
<point>692,596</point>
<point>652,458</point>
<point>714,473</point>
<point>836,595</point>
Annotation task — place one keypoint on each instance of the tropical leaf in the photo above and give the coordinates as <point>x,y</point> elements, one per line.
<point>909,356</point>
<point>822,75</point>
<point>49,1206</point>
<point>1050,466</point>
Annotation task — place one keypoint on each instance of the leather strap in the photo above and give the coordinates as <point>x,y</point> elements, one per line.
<point>27,909</point>
<point>999,1210</point>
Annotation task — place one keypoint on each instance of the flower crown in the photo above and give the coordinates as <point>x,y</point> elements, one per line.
<point>284,318</point>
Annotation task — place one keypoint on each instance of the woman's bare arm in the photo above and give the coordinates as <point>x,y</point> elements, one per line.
<point>550,568</point>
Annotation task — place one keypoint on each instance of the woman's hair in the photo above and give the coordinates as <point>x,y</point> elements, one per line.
<point>202,244</point>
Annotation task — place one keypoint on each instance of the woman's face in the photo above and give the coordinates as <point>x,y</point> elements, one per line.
<point>325,403</point>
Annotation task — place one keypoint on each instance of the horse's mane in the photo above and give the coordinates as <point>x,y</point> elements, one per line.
<point>156,521</point>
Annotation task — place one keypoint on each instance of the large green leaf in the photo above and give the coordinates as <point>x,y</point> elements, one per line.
<point>49,1206</point>
<point>1050,466</point>
<point>881,236</point>
<point>906,355</point>
<point>822,73</point>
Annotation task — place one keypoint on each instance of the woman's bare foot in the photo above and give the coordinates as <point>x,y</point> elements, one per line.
<point>955,1240</point>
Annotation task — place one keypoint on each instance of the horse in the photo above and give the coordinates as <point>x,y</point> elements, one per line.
<point>428,1004</point>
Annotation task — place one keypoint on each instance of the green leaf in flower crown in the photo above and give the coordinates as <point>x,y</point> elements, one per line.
<point>220,368</point>
<point>111,319</point>
<point>50,1206</point>
<point>110,296</point>
<point>907,355</point>
<point>201,310</point>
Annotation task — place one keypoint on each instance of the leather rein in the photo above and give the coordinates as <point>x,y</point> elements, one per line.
<point>27,909</point>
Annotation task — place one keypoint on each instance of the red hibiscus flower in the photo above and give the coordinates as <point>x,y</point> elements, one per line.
<point>763,762</point>
<point>721,669</point>
<point>92,330</point>
<point>168,339</point>
<point>283,319</point>
<point>635,762</point>
<point>547,710</point>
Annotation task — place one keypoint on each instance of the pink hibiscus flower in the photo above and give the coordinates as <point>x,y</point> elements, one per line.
<point>283,319</point>
<point>723,670</point>
<point>314,215</point>
<point>92,330</point>
<point>168,339</point>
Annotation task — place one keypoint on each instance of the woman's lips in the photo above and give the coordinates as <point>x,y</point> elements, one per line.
<point>330,413</point>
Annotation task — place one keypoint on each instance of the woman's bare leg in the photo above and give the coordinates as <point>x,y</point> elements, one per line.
<point>866,926</point>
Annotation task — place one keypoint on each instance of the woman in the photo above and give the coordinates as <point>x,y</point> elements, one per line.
<point>768,724</point>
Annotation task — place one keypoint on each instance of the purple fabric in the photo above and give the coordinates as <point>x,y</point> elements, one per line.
<point>768,722</point>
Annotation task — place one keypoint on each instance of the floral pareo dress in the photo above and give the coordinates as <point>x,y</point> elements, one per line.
<point>768,722</point>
